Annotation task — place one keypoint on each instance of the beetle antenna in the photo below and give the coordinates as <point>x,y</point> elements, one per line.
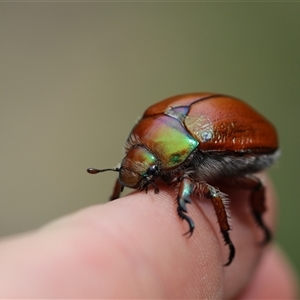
<point>95,171</point>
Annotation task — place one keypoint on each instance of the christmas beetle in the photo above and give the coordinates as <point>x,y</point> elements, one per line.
<point>191,141</point>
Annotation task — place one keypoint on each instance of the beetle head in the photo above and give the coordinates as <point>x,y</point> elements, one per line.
<point>138,168</point>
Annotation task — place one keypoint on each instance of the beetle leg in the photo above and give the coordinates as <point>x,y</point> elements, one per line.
<point>156,189</point>
<point>186,187</point>
<point>257,202</point>
<point>217,198</point>
<point>118,188</point>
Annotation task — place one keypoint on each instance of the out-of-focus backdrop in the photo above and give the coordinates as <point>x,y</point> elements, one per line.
<point>76,76</point>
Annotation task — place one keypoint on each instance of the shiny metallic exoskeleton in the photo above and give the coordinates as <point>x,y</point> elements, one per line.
<point>190,141</point>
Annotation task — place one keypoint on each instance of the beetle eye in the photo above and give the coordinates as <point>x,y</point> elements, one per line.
<point>152,171</point>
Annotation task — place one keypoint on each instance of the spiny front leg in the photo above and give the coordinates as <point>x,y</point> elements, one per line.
<point>217,198</point>
<point>186,187</point>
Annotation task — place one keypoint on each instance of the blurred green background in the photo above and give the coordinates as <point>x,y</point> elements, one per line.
<point>76,76</point>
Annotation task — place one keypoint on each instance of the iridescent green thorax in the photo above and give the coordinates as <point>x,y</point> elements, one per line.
<point>166,137</point>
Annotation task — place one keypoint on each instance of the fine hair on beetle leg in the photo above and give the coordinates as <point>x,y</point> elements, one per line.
<point>199,189</point>
<point>219,201</point>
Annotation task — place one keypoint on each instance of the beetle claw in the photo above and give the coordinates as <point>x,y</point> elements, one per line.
<point>267,232</point>
<point>257,202</point>
<point>217,198</point>
<point>184,192</point>
<point>189,220</point>
<point>156,189</point>
<point>229,243</point>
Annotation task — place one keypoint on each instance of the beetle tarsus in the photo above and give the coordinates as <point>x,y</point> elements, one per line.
<point>217,198</point>
<point>229,243</point>
<point>156,189</point>
<point>258,208</point>
<point>185,190</point>
<point>182,213</point>
<point>257,202</point>
<point>189,220</point>
<point>267,233</point>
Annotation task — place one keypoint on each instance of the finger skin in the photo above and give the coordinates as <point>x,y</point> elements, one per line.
<point>133,248</point>
<point>274,278</point>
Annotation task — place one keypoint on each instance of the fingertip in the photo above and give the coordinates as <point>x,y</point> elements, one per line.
<point>273,279</point>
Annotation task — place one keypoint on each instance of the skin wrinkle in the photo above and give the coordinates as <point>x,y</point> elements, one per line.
<point>164,200</point>
<point>207,217</point>
<point>142,279</point>
<point>207,213</point>
<point>117,236</point>
<point>202,259</point>
<point>138,265</point>
<point>165,269</point>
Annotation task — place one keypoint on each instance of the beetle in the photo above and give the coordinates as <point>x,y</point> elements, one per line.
<point>193,140</point>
